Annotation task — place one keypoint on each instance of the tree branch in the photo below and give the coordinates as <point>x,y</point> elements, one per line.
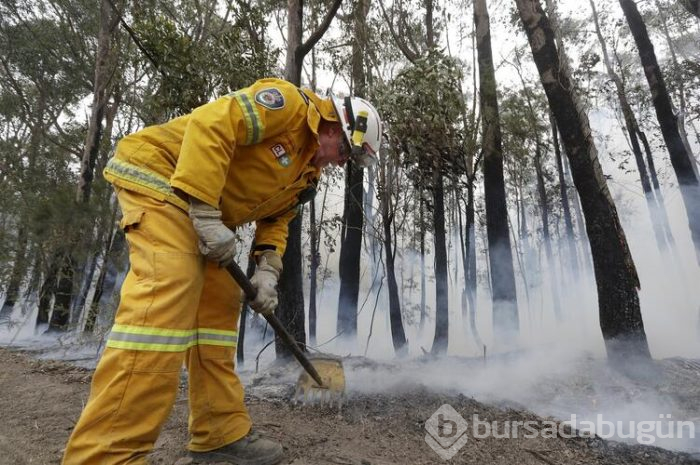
<point>322,28</point>
<point>407,52</point>
<point>136,40</point>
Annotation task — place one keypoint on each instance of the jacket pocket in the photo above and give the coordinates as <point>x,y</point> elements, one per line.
<point>131,219</point>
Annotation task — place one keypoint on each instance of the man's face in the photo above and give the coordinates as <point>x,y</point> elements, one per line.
<point>333,147</point>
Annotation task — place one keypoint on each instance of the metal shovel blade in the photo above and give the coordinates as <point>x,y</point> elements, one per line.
<point>332,374</point>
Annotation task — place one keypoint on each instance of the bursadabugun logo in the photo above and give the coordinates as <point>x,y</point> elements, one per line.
<point>447,429</point>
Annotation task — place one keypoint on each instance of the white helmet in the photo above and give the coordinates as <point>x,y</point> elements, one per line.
<point>362,127</point>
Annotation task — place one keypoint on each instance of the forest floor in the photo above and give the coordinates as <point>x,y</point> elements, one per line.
<point>40,401</point>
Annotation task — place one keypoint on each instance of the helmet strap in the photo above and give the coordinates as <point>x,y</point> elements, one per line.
<point>347,103</point>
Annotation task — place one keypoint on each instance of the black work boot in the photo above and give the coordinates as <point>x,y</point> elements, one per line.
<point>252,449</point>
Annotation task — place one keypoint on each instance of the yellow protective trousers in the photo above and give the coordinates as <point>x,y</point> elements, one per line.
<point>174,308</point>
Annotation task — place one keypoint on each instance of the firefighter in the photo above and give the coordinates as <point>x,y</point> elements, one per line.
<point>183,187</point>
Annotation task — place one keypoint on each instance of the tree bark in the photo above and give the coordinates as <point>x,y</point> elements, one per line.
<point>544,212</point>
<point>505,309</point>
<point>657,191</point>
<point>440,339</point>
<point>353,214</point>
<point>632,130</point>
<point>398,335</point>
<point>19,269</point>
<point>291,292</point>
<point>681,88</point>
<point>350,253</point>
<point>616,276</point>
<point>570,236</point>
<point>313,284</point>
<point>423,285</point>
<point>681,160</point>
<point>109,21</point>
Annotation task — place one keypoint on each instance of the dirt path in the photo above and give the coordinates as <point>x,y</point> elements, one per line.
<point>41,400</point>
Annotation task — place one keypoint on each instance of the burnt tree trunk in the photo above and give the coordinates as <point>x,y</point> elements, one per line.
<point>505,309</point>
<point>350,251</point>
<point>109,21</point>
<point>291,292</point>
<point>313,279</point>
<point>353,212</point>
<point>291,296</point>
<point>616,276</point>
<point>398,335</point>
<point>681,160</point>
<point>650,161</point>
<point>440,339</point>
<point>423,289</point>
<point>657,190</point>
<point>632,130</point>
<point>19,269</point>
<point>544,212</point>
<point>570,236</point>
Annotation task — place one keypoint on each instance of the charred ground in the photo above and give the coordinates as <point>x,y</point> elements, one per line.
<point>41,401</point>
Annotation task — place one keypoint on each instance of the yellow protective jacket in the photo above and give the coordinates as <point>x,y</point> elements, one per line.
<point>246,153</point>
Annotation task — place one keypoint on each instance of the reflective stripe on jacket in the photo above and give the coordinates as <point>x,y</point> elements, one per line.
<point>247,154</point>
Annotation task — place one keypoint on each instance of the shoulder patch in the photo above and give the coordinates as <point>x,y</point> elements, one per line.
<point>270,98</point>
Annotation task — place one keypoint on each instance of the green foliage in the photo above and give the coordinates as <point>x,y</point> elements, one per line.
<point>48,50</point>
<point>422,108</point>
<point>194,65</point>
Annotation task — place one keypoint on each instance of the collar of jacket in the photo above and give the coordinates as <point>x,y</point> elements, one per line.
<point>318,108</point>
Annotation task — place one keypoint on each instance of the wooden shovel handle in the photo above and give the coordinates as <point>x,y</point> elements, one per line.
<point>276,324</point>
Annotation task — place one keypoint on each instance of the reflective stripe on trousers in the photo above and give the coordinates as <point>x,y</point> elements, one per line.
<point>174,308</point>
<point>168,340</point>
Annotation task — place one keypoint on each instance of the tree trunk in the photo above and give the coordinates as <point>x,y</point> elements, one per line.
<point>650,162</point>
<point>505,308</point>
<point>108,283</point>
<point>660,204</point>
<point>681,89</point>
<point>108,25</point>
<point>616,276</point>
<point>93,310</point>
<point>48,287</point>
<point>291,295</point>
<point>19,269</point>
<point>681,160</point>
<point>440,339</point>
<point>353,214</point>
<point>350,253</point>
<point>291,292</point>
<point>471,266</point>
<point>632,130</point>
<point>544,212</point>
<point>398,336</point>
<point>313,284</point>
<point>423,288</point>
<point>368,234</point>
<point>570,236</point>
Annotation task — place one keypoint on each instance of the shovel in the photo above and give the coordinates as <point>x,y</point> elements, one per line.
<point>324,377</point>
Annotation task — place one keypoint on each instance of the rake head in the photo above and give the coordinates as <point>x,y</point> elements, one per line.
<point>308,392</point>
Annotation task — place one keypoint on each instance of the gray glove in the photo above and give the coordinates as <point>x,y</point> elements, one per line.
<point>265,280</point>
<point>216,242</point>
